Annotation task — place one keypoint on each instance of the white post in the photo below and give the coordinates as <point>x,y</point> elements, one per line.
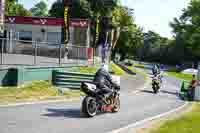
<point>11,42</point>
<point>7,41</point>
<point>88,36</point>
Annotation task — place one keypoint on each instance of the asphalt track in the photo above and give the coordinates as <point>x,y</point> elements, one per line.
<point>64,117</point>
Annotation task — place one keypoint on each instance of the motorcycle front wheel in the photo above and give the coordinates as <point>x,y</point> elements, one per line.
<point>155,88</point>
<point>89,107</point>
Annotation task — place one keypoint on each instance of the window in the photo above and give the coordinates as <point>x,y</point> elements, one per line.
<point>25,35</point>
<point>54,37</point>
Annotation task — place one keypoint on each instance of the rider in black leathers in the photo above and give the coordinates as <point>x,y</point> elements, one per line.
<point>104,81</point>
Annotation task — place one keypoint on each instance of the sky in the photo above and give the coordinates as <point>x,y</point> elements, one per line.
<point>152,15</point>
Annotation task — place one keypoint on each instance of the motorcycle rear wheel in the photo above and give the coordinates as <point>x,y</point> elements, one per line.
<point>89,107</point>
<point>116,107</point>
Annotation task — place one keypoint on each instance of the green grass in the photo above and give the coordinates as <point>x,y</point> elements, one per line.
<point>70,94</point>
<point>138,65</point>
<point>188,123</point>
<point>116,69</point>
<point>182,76</point>
<point>35,91</point>
<point>86,69</point>
<point>93,69</point>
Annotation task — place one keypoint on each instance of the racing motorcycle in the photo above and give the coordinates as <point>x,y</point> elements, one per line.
<point>94,103</point>
<point>156,83</point>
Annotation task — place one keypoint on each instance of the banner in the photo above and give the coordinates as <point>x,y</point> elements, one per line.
<point>97,30</point>
<point>2,16</point>
<point>66,21</point>
<point>90,55</point>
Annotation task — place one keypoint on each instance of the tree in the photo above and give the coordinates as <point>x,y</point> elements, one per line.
<point>131,37</point>
<point>57,9</point>
<point>79,9</point>
<point>102,7</point>
<point>187,26</point>
<point>155,48</point>
<point>83,8</point>
<point>15,9</point>
<point>40,9</point>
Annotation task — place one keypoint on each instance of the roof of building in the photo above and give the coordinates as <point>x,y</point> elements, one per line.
<point>45,21</point>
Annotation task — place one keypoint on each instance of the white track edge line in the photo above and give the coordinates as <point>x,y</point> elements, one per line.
<point>148,119</point>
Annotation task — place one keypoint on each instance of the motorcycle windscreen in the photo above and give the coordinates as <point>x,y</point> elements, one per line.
<point>116,79</point>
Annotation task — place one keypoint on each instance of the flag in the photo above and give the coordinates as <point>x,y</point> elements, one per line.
<point>2,16</point>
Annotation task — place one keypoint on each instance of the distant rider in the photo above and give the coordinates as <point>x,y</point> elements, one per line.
<point>155,70</point>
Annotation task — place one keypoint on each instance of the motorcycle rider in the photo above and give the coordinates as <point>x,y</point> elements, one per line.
<point>155,70</point>
<point>157,73</point>
<point>104,81</point>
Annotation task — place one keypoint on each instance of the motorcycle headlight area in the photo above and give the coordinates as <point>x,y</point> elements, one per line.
<point>87,87</point>
<point>91,86</point>
<point>116,79</point>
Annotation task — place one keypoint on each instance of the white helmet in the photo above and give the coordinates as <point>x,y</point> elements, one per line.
<point>105,67</point>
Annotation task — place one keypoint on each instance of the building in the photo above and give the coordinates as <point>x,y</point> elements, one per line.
<point>47,32</point>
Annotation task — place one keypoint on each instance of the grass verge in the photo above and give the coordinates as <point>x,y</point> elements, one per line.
<point>187,123</point>
<point>93,69</point>
<point>116,69</point>
<point>86,69</point>
<point>35,91</point>
<point>182,76</point>
<point>138,65</point>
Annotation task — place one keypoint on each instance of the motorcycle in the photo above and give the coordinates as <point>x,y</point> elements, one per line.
<point>94,103</point>
<point>156,84</point>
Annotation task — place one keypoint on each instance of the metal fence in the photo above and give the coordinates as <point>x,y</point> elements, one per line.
<point>98,54</point>
<point>32,53</point>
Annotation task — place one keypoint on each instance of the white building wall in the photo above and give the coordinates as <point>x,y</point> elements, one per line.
<point>38,35</point>
<point>35,29</point>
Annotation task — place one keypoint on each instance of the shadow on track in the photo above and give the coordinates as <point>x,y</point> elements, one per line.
<point>144,67</point>
<point>122,66</point>
<point>171,93</point>
<point>161,91</point>
<point>147,91</point>
<point>69,113</point>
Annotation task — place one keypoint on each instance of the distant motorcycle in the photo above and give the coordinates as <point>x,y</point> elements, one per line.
<point>93,102</point>
<point>156,84</point>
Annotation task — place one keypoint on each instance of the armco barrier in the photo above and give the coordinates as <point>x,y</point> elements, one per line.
<point>70,80</point>
<point>3,77</point>
<point>8,77</point>
<point>18,76</point>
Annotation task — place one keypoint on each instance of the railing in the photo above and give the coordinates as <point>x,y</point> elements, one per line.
<point>70,80</point>
<point>33,53</point>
